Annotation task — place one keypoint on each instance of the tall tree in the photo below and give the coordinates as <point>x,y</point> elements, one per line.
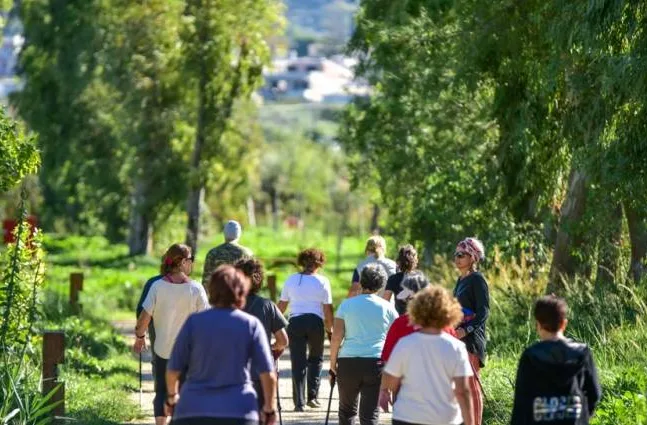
<point>226,49</point>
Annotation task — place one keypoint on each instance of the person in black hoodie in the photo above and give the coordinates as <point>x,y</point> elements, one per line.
<point>473,294</point>
<point>557,382</point>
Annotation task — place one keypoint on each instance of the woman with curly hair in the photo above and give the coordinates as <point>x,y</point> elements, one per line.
<point>407,262</point>
<point>168,303</point>
<point>311,315</point>
<point>428,371</point>
<point>472,293</point>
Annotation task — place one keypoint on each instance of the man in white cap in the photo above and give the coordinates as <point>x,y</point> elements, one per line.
<point>229,252</point>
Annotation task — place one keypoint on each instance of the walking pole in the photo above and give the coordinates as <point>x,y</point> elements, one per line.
<point>140,380</point>
<point>278,396</point>
<point>333,379</point>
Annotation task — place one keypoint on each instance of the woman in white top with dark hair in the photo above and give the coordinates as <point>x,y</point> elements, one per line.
<point>311,314</point>
<point>169,302</point>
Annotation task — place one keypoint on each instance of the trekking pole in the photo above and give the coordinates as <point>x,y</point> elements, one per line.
<point>278,395</point>
<point>333,380</point>
<point>140,381</point>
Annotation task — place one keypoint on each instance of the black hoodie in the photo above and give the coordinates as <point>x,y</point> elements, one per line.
<point>557,384</point>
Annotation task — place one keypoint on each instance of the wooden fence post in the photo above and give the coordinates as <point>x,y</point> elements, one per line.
<point>76,286</point>
<point>271,284</point>
<point>53,355</point>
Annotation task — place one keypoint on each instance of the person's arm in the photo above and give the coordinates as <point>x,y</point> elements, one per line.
<point>392,337</point>
<point>268,384</point>
<point>281,340</point>
<point>387,295</point>
<point>144,294</point>
<point>140,331</point>
<point>284,300</point>
<point>519,407</point>
<point>391,384</point>
<point>208,269</point>
<point>355,288</point>
<point>481,295</point>
<point>464,397</point>
<point>592,386</point>
<point>178,362</point>
<point>338,333</point>
<point>329,317</point>
<point>282,305</point>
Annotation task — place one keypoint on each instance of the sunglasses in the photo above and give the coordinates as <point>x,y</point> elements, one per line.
<point>191,258</point>
<point>460,254</point>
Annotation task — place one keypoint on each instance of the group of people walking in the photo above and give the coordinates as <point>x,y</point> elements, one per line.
<point>396,342</point>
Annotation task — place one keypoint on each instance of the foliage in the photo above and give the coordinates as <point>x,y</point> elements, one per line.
<point>18,153</point>
<point>483,109</point>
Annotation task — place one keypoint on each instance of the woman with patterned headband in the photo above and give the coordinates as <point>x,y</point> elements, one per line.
<point>472,293</point>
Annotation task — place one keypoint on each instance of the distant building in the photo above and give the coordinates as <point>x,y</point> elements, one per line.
<point>311,79</point>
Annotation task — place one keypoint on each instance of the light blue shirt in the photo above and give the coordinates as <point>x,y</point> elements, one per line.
<point>367,319</point>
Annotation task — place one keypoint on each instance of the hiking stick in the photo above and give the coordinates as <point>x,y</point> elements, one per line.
<point>332,387</point>
<point>278,395</point>
<point>140,381</point>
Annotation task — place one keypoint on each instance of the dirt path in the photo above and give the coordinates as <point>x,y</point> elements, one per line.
<point>309,417</point>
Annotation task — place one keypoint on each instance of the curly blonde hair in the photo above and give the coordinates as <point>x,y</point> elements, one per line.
<point>434,307</point>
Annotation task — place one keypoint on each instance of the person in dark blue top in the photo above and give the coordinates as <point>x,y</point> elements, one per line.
<point>473,294</point>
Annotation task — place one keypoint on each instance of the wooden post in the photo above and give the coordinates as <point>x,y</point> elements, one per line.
<point>76,286</point>
<point>53,355</point>
<point>271,284</point>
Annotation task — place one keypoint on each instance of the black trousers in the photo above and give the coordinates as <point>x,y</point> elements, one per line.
<point>160,385</point>
<point>359,377</point>
<point>306,334</point>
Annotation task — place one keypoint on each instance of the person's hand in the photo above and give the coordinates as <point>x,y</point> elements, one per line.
<point>139,345</point>
<point>169,404</point>
<point>332,375</point>
<point>329,335</point>
<point>385,399</point>
<point>460,333</point>
<point>268,416</point>
<point>276,354</point>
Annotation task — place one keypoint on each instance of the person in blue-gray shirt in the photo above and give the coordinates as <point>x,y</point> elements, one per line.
<point>360,328</point>
<point>222,335</point>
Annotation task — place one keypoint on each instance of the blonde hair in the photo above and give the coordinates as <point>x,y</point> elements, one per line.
<point>376,245</point>
<point>434,307</point>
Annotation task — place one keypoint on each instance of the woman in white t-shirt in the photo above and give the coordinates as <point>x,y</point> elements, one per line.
<point>310,298</point>
<point>428,371</point>
<point>169,302</point>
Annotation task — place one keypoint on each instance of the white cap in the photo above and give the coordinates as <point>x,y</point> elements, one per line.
<point>232,230</point>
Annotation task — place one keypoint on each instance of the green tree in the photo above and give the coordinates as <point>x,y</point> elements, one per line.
<point>226,50</point>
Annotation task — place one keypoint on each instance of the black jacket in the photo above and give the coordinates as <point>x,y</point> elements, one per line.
<point>557,384</point>
<point>472,293</point>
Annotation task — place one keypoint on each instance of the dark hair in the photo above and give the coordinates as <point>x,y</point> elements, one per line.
<point>228,287</point>
<point>550,312</point>
<point>253,269</point>
<point>407,258</point>
<point>373,277</point>
<point>311,259</point>
<point>173,257</point>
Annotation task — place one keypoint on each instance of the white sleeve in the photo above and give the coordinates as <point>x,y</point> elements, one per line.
<point>396,363</point>
<point>151,298</point>
<point>285,292</point>
<point>463,366</point>
<point>202,302</point>
<point>327,292</point>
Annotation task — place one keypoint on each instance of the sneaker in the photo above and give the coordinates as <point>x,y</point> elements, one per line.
<point>299,409</point>
<point>314,403</point>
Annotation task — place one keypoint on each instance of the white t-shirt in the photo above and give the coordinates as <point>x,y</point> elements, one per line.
<point>427,365</point>
<point>306,294</point>
<point>170,304</point>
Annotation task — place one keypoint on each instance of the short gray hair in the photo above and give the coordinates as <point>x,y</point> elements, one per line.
<point>373,277</point>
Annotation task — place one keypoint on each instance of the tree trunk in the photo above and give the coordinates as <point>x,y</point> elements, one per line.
<point>568,238</point>
<point>609,247</point>
<point>251,211</point>
<point>275,208</point>
<point>637,224</point>
<point>139,232</point>
<point>375,219</point>
<point>197,183</point>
